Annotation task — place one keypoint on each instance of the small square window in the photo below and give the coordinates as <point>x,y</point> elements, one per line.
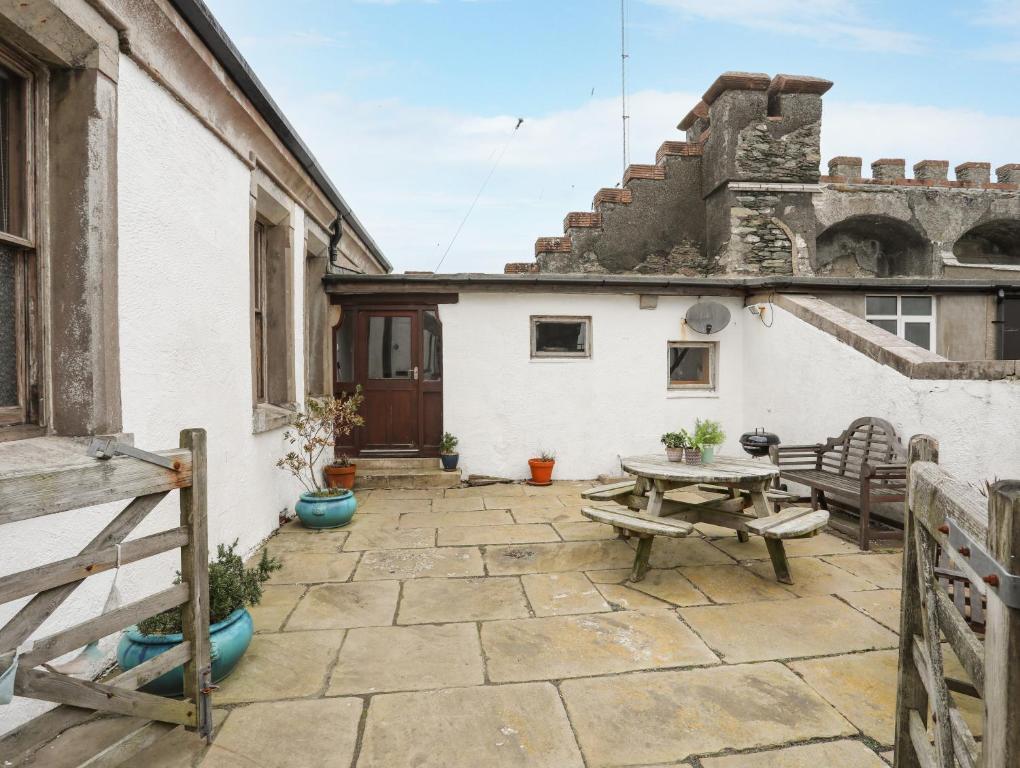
<point>909,317</point>
<point>561,337</point>
<point>691,365</point>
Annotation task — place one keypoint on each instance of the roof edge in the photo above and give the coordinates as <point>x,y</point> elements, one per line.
<point>201,20</point>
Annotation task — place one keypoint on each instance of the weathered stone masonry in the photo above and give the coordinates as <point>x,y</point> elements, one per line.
<point>743,196</point>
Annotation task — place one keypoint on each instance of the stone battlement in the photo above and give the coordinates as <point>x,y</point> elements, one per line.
<point>927,173</point>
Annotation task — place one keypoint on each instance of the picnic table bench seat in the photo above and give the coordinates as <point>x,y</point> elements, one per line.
<point>791,523</point>
<point>866,465</point>
<point>645,528</point>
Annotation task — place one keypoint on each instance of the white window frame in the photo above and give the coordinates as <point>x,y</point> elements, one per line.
<point>588,339</point>
<point>713,367</point>
<point>902,319</point>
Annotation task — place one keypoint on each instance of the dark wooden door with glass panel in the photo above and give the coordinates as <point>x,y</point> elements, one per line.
<point>395,355</point>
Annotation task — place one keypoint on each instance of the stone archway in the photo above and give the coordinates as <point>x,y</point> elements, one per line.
<point>995,242</point>
<point>872,246</point>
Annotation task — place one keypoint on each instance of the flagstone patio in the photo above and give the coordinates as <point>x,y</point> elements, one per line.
<point>495,627</point>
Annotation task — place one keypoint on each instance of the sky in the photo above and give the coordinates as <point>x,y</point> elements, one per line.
<point>411,105</point>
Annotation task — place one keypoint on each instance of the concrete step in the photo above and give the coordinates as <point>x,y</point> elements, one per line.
<point>396,477</point>
<point>368,462</point>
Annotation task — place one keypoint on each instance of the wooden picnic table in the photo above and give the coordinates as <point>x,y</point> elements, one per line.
<point>733,491</point>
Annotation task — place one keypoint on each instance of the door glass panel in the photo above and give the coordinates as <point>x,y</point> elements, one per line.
<point>345,348</point>
<point>889,325</point>
<point>880,305</point>
<point>389,348</point>
<point>916,305</point>
<point>918,333</point>
<point>8,331</point>
<point>432,348</point>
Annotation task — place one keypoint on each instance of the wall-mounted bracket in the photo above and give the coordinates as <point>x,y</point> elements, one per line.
<point>1005,584</point>
<point>106,448</point>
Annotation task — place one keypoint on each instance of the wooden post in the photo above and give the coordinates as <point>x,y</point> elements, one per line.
<point>1002,632</point>
<point>195,571</point>
<point>910,690</point>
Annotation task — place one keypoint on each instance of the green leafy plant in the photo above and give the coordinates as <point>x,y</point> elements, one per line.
<point>316,429</point>
<point>449,443</point>
<point>231,586</point>
<point>343,460</point>
<point>680,439</point>
<point>544,455</point>
<point>707,432</point>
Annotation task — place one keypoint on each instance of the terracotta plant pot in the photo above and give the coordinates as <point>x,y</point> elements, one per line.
<point>339,477</point>
<point>675,454</point>
<point>541,471</point>
<point>692,456</point>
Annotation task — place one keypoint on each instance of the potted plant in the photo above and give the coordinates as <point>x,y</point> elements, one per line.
<point>675,443</point>
<point>448,452</point>
<point>708,434</point>
<point>232,588</point>
<point>340,472</point>
<point>313,431</point>
<point>542,468</point>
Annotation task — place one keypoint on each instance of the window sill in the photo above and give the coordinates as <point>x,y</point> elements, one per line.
<point>36,454</point>
<point>685,394</point>
<point>547,360</point>
<point>266,417</point>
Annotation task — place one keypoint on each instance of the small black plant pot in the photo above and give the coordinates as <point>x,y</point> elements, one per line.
<point>449,461</point>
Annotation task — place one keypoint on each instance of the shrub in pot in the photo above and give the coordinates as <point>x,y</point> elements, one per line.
<point>448,451</point>
<point>542,467</point>
<point>340,472</point>
<point>708,435</point>
<point>312,431</point>
<point>675,443</point>
<point>232,588</point>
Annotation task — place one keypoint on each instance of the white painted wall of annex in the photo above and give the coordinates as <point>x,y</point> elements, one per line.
<point>185,350</point>
<point>810,386</point>
<point>504,406</point>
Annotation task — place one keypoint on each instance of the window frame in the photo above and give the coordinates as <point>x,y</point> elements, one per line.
<point>713,367</point>
<point>901,319</point>
<point>585,320</point>
<point>260,256</point>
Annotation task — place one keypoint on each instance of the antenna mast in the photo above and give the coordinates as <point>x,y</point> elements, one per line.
<point>623,84</point>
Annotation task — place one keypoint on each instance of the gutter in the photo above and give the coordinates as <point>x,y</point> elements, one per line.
<point>200,19</point>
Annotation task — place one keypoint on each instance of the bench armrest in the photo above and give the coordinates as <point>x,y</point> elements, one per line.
<point>884,471</point>
<point>799,456</point>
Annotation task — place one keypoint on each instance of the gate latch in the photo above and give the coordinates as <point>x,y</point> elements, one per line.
<point>1005,584</point>
<point>107,448</point>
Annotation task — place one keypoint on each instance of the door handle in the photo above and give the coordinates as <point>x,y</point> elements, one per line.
<point>415,373</point>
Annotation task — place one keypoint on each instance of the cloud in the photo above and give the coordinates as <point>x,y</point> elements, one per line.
<point>840,23</point>
<point>1003,15</point>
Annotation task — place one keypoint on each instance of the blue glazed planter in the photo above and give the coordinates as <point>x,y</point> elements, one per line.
<point>326,511</point>
<point>228,640</point>
<point>449,461</point>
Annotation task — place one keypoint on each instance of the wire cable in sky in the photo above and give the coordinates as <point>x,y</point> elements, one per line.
<point>480,191</point>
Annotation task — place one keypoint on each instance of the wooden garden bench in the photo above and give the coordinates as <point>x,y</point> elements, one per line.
<point>866,464</point>
<point>645,528</point>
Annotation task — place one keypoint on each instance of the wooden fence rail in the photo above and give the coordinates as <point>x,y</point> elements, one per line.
<point>950,527</point>
<point>34,494</point>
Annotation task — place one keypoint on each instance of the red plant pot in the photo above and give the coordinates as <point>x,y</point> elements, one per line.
<point>541,471</point>
<point>339,477</point>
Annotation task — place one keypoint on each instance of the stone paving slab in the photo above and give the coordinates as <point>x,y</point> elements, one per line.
<point>665,584</point>
<point>453,519</point>
<point>558,594</point>
<point>623,598</point>
<point>671,553</point>
<point>405,538</point>
<point>288,734</point>
<point>584,531</point>
<point>549,515</point>
<point>807,626</point>
<point>314,567</point>
<point>281,666</point>
<point>736,584</point>
<point>420,563</point>
<point>406,493</point>
<point>832,754</point>
<point>754,549</point>
<point>594,644</point>
<point>496,534</point>
<point>323,541</point>
<point>862,686</point>
<point>498,489</point>
<point>883,605</point>
<point>400,506</point>
<point>523,504</point>
<point>458,504</point>
<point>438,601</point>
<point>812,576</point>
<point>379,520</point>
<point>556,558</point>
<point>342,606</point>
<point>882,570</point>
<point>276,604</point>
<point>672,715</point>
<point>507,726</point>
<point>377,659</point>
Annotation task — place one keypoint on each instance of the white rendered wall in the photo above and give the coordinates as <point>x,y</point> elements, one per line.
<point>504,406</point>
<point>809,386</point>
<point>185,350</point>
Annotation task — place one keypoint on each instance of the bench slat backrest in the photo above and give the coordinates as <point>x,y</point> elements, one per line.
<point>867,439</point>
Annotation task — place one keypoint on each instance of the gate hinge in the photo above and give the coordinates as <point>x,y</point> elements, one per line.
<point>1005,584</point>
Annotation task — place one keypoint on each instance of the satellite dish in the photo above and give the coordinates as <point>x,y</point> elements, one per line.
<point>708,317</point>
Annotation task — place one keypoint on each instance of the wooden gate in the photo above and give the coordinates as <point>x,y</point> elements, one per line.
<point>35,494</point>
<point>948,522</point>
